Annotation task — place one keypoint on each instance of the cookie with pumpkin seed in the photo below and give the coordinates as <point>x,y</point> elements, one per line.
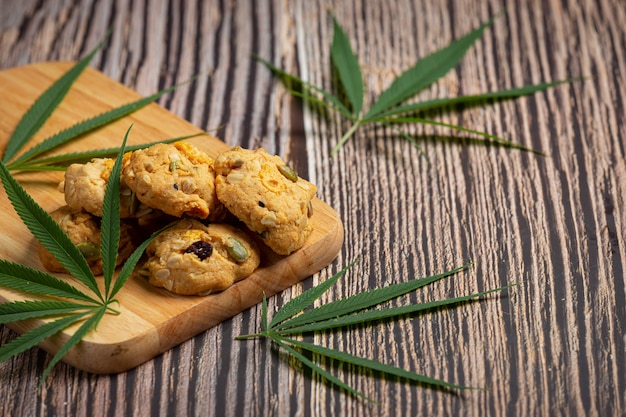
<point>84,186</point>
<point>267,195</point>
<point>191,258</point>
<point>177,179</point>
<point>83,229</point>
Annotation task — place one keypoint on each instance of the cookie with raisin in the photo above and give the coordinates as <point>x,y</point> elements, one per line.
<point>191,258</point>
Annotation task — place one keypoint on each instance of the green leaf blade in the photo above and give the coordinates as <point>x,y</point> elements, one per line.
<point>32,281</point>
<point>381,314</point>
<point>32,338</point>
<point>363,300</point>
<point>374,365</point>
<point>47,231</point>
<point>408,138</point>
<point>86,126</point>
<point>74,339</point>
<point>304,300</point>
<point>110,224</point>
<point>426,71</point>
<point>489,138</point>
<point>283,342</point>
<point>347,65</point>
<point>130,263</point>
<point>43,107</point>
<point>61,161</point>
<point>309,89</point>
<point>442,103</point>
<point>22,310</point>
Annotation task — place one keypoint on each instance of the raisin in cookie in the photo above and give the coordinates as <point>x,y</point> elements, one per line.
<point>85,184</point>
<point>177,179</point>
<point>83,230</point>
<point>191,258</point>
<point>267,195</point>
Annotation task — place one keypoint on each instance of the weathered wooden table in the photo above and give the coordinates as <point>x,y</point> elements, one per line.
<point>554,345</point>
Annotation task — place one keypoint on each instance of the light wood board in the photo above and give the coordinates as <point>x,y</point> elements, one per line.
<point>152,320</point>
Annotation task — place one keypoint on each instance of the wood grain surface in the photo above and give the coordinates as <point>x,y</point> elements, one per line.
<point>554,345</point>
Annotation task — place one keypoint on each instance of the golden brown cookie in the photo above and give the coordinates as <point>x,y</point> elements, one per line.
<point>191,258</point>
<point>85,184</point>
<point>267,195</point>
<point>177,179</point>
<point>83,230</point>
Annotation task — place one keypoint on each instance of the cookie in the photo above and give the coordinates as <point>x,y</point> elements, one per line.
<point>83,229</point>
<point>193,259</point>
<point>177,179</point>
<point>266,195</point>
<point>84,187</point>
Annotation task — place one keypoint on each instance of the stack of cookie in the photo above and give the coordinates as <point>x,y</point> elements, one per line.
<point>204,250</point>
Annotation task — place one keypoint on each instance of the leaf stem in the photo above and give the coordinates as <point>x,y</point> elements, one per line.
<point>251,336</point>
<point>114,310</point>
<point>347,136</point>
<point>111,309</point>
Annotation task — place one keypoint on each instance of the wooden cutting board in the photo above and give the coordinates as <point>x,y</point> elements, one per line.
<point>152,320</point>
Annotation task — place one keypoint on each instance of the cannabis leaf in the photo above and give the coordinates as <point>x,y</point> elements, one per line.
<point>59,299</point>
<point>62,161</point>
<point>390,108</point>
<point>292,319</point>
<point>43,107</point>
